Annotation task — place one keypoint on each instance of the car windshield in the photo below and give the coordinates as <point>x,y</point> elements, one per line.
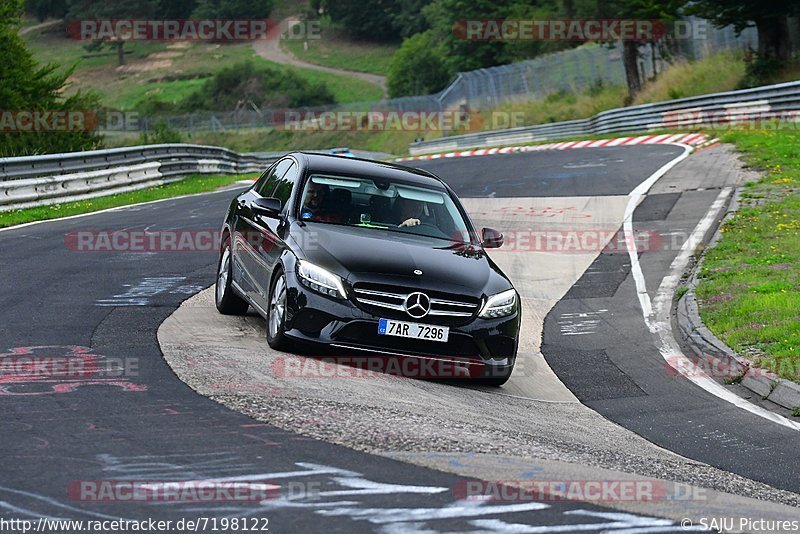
<point>388,206</point>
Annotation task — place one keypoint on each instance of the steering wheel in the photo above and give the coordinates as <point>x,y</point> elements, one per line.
<point>436,231</point>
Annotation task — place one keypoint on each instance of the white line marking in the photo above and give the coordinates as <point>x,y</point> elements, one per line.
<point>656,139</point>
<point>635,197</point>
<point>30,513</point>
<point>618,141</point>
<point>118,208</point>
<point>659,321</point>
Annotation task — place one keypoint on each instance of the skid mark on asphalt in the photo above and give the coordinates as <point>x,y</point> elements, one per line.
<point>142,293</point>
<point>580,323</point>
<point>325,490</point>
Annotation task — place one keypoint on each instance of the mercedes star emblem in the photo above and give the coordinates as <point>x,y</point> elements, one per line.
<point>417,305</point>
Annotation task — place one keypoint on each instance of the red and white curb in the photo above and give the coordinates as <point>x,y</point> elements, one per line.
<point>696,140</point>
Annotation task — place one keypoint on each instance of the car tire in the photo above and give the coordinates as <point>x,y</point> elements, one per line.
<point>226,299</point>
<point>495,377</point>
<point>276,314</point>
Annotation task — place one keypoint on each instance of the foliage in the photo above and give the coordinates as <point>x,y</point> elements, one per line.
<point>161,133</point>
<point>417,68</point>
<point>28,86</point>
<point>749,284</point>
<point>245,85</point>
<point>233,9</point>
<point>44,9</point>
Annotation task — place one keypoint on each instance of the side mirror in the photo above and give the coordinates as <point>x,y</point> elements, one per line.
<point>268,206</point>
<point>492,238</point>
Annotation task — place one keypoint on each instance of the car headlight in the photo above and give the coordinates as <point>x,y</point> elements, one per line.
<point>500,305</point>
<point>321,280</point>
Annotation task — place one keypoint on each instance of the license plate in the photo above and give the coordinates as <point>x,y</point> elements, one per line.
<point>388,327</point>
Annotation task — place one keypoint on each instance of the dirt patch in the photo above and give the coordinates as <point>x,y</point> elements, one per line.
<point>146,66</point>
<point>164,55</point>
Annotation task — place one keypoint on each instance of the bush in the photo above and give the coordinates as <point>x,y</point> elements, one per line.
<point>760,71</point>
<point>233,9</point>
<point>417,68</point>
<point>161,133</point>
<point>245,83</point>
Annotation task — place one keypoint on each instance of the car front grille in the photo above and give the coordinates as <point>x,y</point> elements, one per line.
<point>445,306</point>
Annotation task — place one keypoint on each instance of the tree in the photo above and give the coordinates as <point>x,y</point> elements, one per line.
<point>176,9</point>
<point>28,87</point>
<point>406,20</point>
<point>233,9</point>
<point>417,68</point>
<point>663,10</point>
<point>119,9</point>
<point>769,18</point>
<point>370,21</point>
<point>45,9</point>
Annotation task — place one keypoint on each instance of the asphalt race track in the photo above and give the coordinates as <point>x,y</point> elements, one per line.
<point>92,311</point>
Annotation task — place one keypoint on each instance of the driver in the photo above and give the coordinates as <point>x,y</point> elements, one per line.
<point>411,212</point>
<point>314,206</point>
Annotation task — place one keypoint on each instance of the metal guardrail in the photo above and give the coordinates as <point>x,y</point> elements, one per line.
<point>713,110</point>
<point>56,178</point>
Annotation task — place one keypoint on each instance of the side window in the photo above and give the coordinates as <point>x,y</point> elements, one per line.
<point>266,185</point>
<point>285,184</point>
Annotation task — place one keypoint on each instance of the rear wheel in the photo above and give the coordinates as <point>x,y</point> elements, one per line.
<point>276,315</point>
<point>226,299</point>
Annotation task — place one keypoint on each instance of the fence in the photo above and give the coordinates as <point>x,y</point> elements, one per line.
<point>719,109</point>
<point>569,70</point>
<point>56,178</point>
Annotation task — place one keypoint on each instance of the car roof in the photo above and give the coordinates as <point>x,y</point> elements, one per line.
<point>329,163</point>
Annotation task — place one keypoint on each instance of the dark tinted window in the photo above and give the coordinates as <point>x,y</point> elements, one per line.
<point>266,184</point>
<point>283,189</point>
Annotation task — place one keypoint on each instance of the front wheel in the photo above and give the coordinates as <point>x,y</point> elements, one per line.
<point>276,315</point>
<point>226,299</point>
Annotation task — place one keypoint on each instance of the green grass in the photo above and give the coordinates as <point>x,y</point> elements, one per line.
<point>714,74</point>
<point>268,140</point>
<point>335,49</point>
<point>344,88</point>
<point>749,290</point>
<point>721,72</point>
<point>176,71</point>
<point>190,185</point>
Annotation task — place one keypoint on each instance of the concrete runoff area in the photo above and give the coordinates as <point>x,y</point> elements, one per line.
<point>102,309</point>
<point>533,422</point>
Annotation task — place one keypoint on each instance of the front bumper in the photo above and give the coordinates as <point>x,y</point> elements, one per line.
<point>347,330</point>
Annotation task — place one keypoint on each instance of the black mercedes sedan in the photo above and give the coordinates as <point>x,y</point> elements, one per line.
<point>368,258</point>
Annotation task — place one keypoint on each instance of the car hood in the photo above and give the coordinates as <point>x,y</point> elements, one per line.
<point>358,254</point>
